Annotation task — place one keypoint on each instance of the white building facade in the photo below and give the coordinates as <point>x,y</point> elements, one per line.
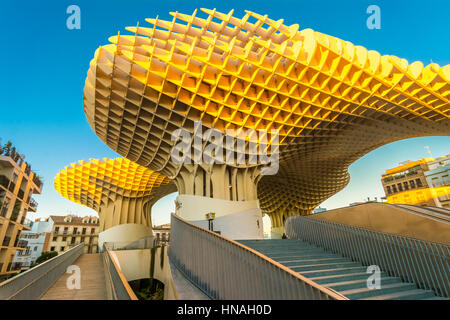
<point>35,238</point>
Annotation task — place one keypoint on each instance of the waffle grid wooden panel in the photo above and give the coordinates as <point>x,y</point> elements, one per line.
<point>98,183</point>
<point>331,101</point>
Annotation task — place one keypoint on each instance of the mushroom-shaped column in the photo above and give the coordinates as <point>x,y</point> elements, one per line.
<point>327,101</point>
<point>121,191</point>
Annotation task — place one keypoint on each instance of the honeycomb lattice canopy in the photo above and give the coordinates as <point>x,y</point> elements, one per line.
<point>96,182</point>
<point>331,101</point>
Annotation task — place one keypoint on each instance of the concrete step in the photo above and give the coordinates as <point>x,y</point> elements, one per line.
<point>311,267</point>
<point>330,272</point>
<point>415,294</point>
<point>344,277</point>
<point>289,251</point>
<point>317,261</point>
<point>302,254</point>
<point>365,292</point>
<point>359,283</point>
<point>335,271</point>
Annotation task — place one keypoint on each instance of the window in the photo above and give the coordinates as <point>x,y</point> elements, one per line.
<point>400,188</point>
<point>92,230</point>
<point>5,207</point>
<point>394,188</point>
<point>56,229</point>
<point>446,180</point>
<point>15,177</point>
<point>35,248</point>
<point>75,229</point>
<point>55,238</point>
<point>83,231</point>
<point>62,248</point>
<point>419,183</point>
<point>436,182</point>
<point>64,239</point>
<point>52,249</point>
<point>72,241</point>
<point>66,229</point>
<point>388,188</point>
<point>412,184</point>
<point>405,185</point>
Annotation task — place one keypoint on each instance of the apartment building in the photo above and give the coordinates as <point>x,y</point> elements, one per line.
<point>69,231</point>
<point>34,240</point>
<point>18,183</point>
<point>423,182</point>
<point>162,234</point>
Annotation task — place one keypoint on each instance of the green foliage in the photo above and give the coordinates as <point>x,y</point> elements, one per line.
<point>46,256</point>
<point>153,291</point>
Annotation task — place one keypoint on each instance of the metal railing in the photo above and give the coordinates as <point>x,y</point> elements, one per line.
<point>416,261</point>
<point>117,286</point>
<point>225,269</point>
<point>33,283</point>
<point>147,242</point>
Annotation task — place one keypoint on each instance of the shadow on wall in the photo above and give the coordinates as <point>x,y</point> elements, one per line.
<point>147,264</point>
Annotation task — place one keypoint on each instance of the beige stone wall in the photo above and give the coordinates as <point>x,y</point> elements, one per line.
<point>135,264</point>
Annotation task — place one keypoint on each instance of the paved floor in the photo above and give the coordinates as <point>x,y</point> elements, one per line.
<point>92,281</point>
<point>185,289</point>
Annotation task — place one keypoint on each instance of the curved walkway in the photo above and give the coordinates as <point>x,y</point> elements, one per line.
<point>92,281</point>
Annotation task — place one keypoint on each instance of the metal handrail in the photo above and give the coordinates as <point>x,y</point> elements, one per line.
<point>33,283</point>
<point>225,269</point>
<point>423,263</point>
<point>118,285</point>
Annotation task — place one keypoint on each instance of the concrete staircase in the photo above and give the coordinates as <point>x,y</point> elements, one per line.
<point>335,271</point>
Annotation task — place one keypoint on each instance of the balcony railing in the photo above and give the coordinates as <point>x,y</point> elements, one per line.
<point>23,243</point>
<point>37,181</point>
<point>210,260</point>
<point>33,204</point>
<point>421,262</point>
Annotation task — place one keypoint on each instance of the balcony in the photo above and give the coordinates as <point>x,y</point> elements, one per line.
<point>33,204</point>
<point>22,243</point>
<point>6,241</point>
<point>12,186</point>
<point>21,194</point>
<point>14,266</point>
<point>4,181</point>
<point>4,210</point>
<point>24,253</point>
<point>37,181</point>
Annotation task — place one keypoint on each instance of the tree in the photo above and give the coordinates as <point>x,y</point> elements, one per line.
<point>46,256</point>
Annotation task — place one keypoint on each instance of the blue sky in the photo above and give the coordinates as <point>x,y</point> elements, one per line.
<point>44,68</point>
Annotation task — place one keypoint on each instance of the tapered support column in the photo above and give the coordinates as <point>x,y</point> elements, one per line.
<point>125,220</point>
<point>229,192</point>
